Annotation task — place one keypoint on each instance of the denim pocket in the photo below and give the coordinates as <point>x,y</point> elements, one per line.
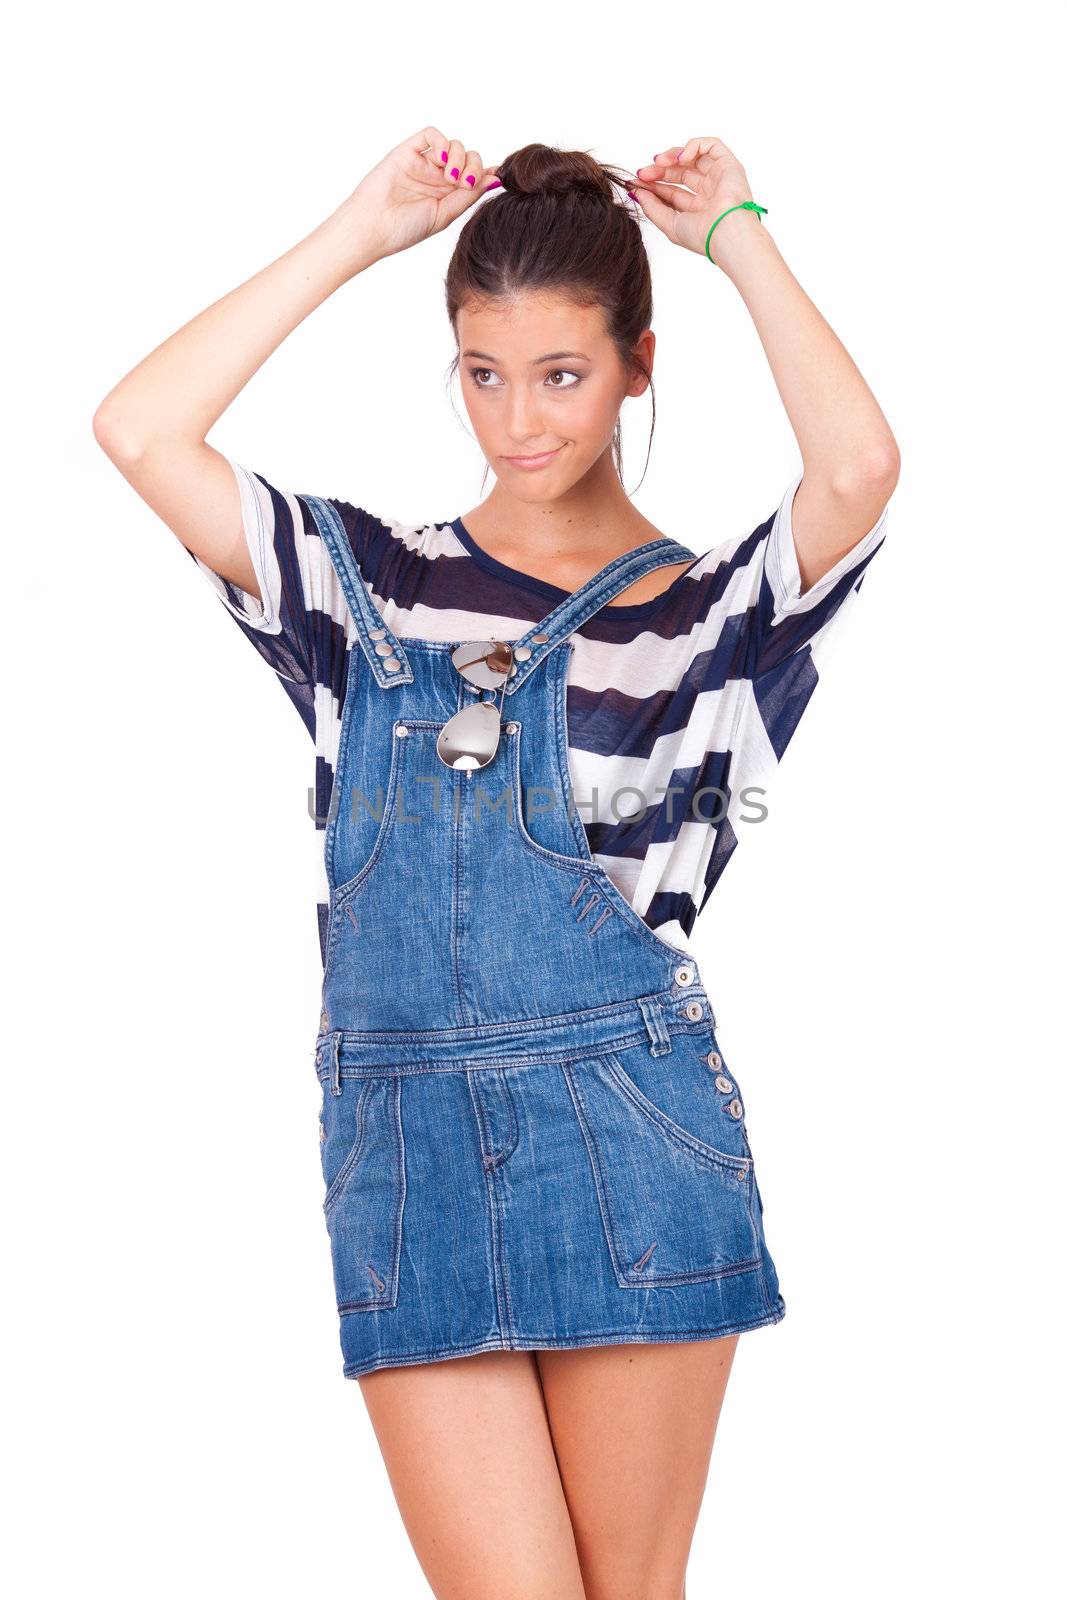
<point>356,843</point>
<point>362,1149</point>
<point>674,1177</point>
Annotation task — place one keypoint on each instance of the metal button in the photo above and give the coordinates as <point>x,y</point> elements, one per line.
<point>377,633</point>
<point>539,638</point>
<point>723,1085</point>
<point>401,730</point>
<point>384,648</point>
<point>694,1011</point>
<point>735,1108</point>
<point>511,727</point>
<point>742,1173</point>
<point>714,1060</point>
<point>391,664</point>
<point>522,652</point>
<point>684,976</point>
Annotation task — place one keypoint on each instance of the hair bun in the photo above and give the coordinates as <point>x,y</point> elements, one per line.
<point>542,169</point>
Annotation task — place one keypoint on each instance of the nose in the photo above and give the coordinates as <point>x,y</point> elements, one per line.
<point>523,427</point>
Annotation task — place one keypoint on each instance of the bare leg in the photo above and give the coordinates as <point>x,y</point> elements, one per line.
<point>633,1428</point>
<point>469,1454</point>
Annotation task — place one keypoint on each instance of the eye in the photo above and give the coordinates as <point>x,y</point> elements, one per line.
<point>474,371</point>
<point>560,372</point>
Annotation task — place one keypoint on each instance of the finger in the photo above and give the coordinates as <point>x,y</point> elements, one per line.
<point>454,158</point>
<point>451,205</point>
<point>706,144</point>
<point>678,162</point>
<point>664,174</point>
<point>712,158</point>
<point>655,209</point>
<point>471,175</point>
<point>669,195</point>
<point>692,176</point>
<point>667,168</point>
<point>431,144</point>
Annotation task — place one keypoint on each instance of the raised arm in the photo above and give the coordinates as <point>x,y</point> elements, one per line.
<point>153,423</point>
<point>851,460</point>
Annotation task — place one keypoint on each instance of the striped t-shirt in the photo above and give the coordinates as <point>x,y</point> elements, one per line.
<point>678,708</point>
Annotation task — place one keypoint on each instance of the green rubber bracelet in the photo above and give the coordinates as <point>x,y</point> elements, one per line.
<point>745,205</point>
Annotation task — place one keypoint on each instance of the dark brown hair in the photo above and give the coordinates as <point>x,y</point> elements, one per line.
<point>559,225</point>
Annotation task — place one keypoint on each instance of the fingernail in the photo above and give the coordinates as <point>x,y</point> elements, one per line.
<point>454,172</point>
<point>631,194</point>
<point>494,185</point>
<point>444,155</point>
<point>470,177</point>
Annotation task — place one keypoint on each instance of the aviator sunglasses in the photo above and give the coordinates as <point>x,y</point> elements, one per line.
<point>470,739</point>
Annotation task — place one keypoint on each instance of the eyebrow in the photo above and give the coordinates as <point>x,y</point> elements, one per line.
<point>554,355</point>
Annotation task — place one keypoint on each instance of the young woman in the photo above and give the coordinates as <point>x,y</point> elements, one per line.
<point>536,729</point>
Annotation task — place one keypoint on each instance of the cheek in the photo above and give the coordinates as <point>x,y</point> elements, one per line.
<point>590,419</point>
<point>484,420</point>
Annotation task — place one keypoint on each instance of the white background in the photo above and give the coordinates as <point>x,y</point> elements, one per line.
<point>880,951</point>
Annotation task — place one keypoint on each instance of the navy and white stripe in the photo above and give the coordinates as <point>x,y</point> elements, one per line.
<point>701,687</point>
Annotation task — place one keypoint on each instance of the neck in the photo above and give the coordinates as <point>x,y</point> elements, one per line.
<point>566,539</point>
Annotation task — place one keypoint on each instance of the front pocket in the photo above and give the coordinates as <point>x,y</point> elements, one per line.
<point>597,875</point>
<point>363,1167</point>
<point>365,831</point>
<point>676,1208</point>
<point>359,838</point>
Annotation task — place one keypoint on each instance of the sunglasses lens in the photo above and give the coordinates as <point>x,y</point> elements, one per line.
<point>485,662</point>
<point>470,738</point>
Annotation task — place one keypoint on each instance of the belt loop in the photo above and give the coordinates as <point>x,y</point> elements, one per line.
<point>652,1011</point>
<point>335,1046</point>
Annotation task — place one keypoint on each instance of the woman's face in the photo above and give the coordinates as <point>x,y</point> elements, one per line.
<point>541,374</point>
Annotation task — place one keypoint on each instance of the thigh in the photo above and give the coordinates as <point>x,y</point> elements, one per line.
<point>469,1454</point>
<point>633,1426</point>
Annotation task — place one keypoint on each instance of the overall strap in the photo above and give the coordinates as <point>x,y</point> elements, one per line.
<point>380,644</point>
<point>597,591</point>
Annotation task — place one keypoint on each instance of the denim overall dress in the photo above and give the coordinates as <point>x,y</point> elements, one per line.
<point>530,1137</point>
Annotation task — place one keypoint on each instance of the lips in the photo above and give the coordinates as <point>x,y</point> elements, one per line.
<point>529,462</point>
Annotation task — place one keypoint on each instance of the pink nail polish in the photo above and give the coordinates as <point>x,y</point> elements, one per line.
<point>444,155</point>
<point>494,185</point>
<point>470,177</point>
<point>454,172</point>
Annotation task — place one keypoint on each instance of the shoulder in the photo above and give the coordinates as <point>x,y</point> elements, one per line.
<point>732,564</point>
<point>380,541</point>
<point>414,571</point>
<point>724,580</point>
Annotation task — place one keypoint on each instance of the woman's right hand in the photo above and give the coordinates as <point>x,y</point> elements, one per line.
<point>152,423</point>
<point>412,192</point>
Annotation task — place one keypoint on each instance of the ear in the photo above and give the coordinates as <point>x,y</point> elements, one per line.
<point>645,349</point>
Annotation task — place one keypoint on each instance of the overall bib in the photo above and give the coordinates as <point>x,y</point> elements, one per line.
<point>530,1138</point>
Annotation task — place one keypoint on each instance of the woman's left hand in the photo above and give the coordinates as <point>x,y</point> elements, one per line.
<point>715,180</point>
